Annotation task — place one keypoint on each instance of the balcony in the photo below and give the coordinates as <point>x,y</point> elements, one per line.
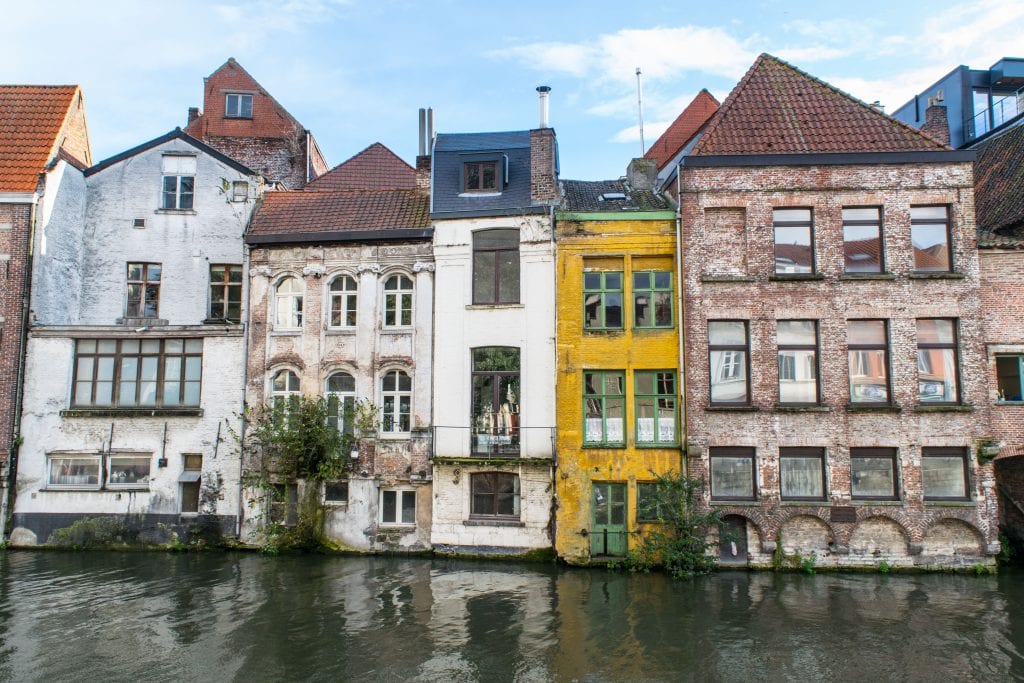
<point>1003,110</point>
<point>499,442</point>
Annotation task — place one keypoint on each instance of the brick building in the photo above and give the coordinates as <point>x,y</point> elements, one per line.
<point>242,120</point>
<point>44,146</point>
<point>836,375</point>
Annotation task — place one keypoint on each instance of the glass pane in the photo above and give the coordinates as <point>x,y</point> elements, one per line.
<point>797,333</point>
<point>472,176</point>
<point>404,381</point>
<point>408,507</point>
<point>508,274</point>
<point>613,281</point>
<point>798,377</point>
<point>613,310</point>
<point>937,375</point>
<point>801,477</point>
<point>407,309</point>
<point>601,504</point>
<point>868,377</point>
<point>641,280</point>
<point>128,471</point>
<point>483,277</point>
<point>781,215</point>
<point>153,272</point>
<point>867,332</point>
<point>74,471</point>
<point>732,477</point>
<point>935,331</point>
<point>663,309</point>
<point>666,419</point>
<point>193,345</point>
<point>170,346</point>
<point>663,280</point>
<point>85,346</point>
<point>390,506</point>
<point>927,212</point>
<point>592,310</point>
<point>1008,376</point>
<point>496,239</point>
<point>931,249</point>
<point>341,382</point>
<point>727,333</point>
<point>497,358</point>
<point>192,390</point>
<point>194,368</point>
<point>172,392</point>
<point>614,416</point>
<point>644,382</point>
<point>943,477</point>
<point>645,420</point>
<point>862,249</point>
<point>135,271</point>
<point>793,252</point>
<point>172,368</point>
<point>618,504</point>
<point>872,477</point>
<point>862,214</point>
<point>592,280</point>
<point>728,376</point>
<point>246,106</point>
<point>642,309</point>
<point>614,384</point>
<point>105,370</point>
<point>107,346</point>
<point>488,176</point>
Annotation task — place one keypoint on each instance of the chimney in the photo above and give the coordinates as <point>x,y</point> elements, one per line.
<point>642,174</point>
<point>426,147</point>
<point>878,106</point>
<point>193,114</point>
<point>935,123</point>
<point>542,97</point>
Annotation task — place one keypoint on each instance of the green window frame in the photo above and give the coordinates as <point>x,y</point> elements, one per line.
<point>648,510</point>
<point>603,300</point>
<point>604,408</point>
<point>652,299</point>
<point>654,399</point>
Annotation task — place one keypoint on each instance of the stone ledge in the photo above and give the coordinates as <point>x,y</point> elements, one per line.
<point>727,278</point>
<point>795,277</point>
<point>867,276</point>
<point>493,522</point>
<point>952,503</point>
<point>951,408</point>
<point>738,503</point>
<point>936,276</point>
<point>132,412</point>
<point>731,409</point>
<point>873,408</point>
<point>808,408</point>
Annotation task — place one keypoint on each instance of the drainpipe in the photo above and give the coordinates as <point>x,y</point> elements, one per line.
<point>680,291</point>
<point>245,383</point>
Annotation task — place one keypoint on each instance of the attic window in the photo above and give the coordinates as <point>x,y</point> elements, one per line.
<point>238,106</point>
<point>480,176</point>
<point>611,196</point>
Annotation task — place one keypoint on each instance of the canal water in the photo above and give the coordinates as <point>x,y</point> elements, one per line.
<point>244,617</point>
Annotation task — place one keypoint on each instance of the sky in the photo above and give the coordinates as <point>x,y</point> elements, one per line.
<point>356,72</point>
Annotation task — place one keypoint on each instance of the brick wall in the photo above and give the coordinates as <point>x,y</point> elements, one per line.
<point>15,231</point>
<point>277,159</point>
<point>543,181</point>
<point>1002,303</point>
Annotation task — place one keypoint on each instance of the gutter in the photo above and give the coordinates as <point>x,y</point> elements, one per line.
<point>245,384</point>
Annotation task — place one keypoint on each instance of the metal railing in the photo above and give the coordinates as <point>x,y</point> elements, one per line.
<point>499,442</point>
<point>991,118</point>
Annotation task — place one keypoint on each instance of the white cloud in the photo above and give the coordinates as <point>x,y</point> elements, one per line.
<point>813,53</point>
<point>631,134</point>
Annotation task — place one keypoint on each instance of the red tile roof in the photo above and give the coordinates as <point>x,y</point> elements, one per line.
<point>778,109</point>
<point>301,212</point>
<point>375,168</point>
<point>31,119</point>
<point>682,130</point>
<point>999,189</point>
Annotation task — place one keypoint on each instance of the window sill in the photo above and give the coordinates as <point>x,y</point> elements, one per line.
<point>222,321</point>
<point>1009,404</point>
<point>867,276</point>
<point>72,489</point>
<point>872,408</point>
<point>398,527</point>
<point>487,307</point>
<point>608,331</point>
<point>177,212</point>
<point>395,436</point>
<point>784,277</point>
<point>727,278</point>
<point>610,446</point>
<point>132,412</point>
<point>131,489</point>
<point>951,503</point>
<point>872,503</point>
<point>936,276</point>
<point>949,408</point>
<point>648,330</point>
<point>142,322</point>
<point>341,331</point>
<point>731,409</point>
<point>650,446</point>
<point>404,329</point>
<point>741,503</point>
<point>340,504</point>
<point>480,194</point>
<point>811,502</point>
<point>493,522</point>
<point>807,408</point>
<point>286,333</point>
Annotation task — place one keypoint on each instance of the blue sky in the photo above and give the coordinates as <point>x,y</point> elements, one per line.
<point>355,72</point>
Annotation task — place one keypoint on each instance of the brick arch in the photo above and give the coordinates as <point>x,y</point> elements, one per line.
<point>941,546</point>
<point>862,523</point>
<point>284,360</point>
<point>845,531</point>
<point>784,515</point>
<point>755,516</point>
<point>818,521</point>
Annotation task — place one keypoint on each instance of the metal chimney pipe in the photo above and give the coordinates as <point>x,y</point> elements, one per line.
<point>423,132</point>
<point>430,131</point>
<point>542,91</point>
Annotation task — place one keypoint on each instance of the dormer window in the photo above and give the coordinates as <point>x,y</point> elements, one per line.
<point>480,176</point>
<point>238,106</point>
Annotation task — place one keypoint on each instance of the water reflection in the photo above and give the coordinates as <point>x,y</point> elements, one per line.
<point>244,617</point>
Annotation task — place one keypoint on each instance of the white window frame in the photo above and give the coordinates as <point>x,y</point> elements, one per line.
<point>393,299</point>
<point>95,457</point>
<point>344,397</point>
<point>236,111</point>
<point>291,302</point>
<point>344,296</point>
<point>397,394</point>
<point>111,484</point>
<point>400,495</point>
<point>288,391</point>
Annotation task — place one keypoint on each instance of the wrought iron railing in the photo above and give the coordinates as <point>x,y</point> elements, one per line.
<point>495,442</point>
<point>991,118</point>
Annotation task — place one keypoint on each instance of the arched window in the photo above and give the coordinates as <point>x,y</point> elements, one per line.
<point>397,301</point>
<point>341,400</point>
<point>283,387</point>
<point>342,307</point>
<point>289,304</point>
<point>396,400</point>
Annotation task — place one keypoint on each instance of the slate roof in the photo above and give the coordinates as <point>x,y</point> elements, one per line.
<point>451,150</point>
<point>999,190</point>
<point>31,118</point>
<point>584,196</point>
<point>310,215</point>
<point>683,129</point>
<point>779,109</point>
<point>375,168</point>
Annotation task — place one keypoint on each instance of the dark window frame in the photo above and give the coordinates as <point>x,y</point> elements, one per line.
<point>805,452</point>
<point>495,495</point>
<point>809,224</point>
<point>336,485</point>
<point>145,284</point>
<point>877,453</point>
<point>1001,394</point>
<point>177,198</point>
<point>852,348</point>
<point>816,347</point>
<point>857,223</point>
<point>116,379</point>
<point>946,452</point>
<point>480,185</point>
<point>497,377</point>
<point>745,348</point>
<point>497,251</point>
<point>955,346</point>
<point>227,288</point>
<point>932,221</point>
<point>748,452</point>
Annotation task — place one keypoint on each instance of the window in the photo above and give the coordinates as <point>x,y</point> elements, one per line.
<point>496,267</point>
<point>732,474</point>
<point>133,372</point>
<point>335,492</point>
<point>344,294</point>
<point>944,473</point>
<point>495,494</point>
<point>936,361</point>
<point>238,106</point>
<point>798,361</point>
<point>655,401</point>
<point>283,388</point>
<point>647,508</point>
<point>929,234</point>
<point>179,178</point>
<point>802,473</point>
<point>604,408</point>
<point>397,301</point>
<point>727,356</point>
<point>867,341</point>
<point>398,507</point>
<point>794,241</point>
<point>873,474</point>
<point>862,240</point>
<point>78,471</point>
<point>480,176</point>
<point>143,290</point>
<point>226,293</point>
<point>190,482</point>
<point>341,400</point>
<point>496,395</point>
<point>396,394</point>
<point>289,304</point>
<point>129,471</point>
<point>652,299</point>
<point>239,191</point>
<point>284,504</point>
<point>1010,378</point>
<point>602,300</point>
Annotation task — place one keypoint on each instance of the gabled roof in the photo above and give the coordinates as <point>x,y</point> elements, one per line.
<point>999,190</point>
<point>778,109</point>
<point>585,196</point>
<point>31,120</point>
<point>697,113</point>
<point>301,216</point>
<point>176,134</point>
<point>375,168</point>
<point>452,150</point>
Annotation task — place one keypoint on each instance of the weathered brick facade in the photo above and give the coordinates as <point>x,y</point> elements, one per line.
<point>15,236</point>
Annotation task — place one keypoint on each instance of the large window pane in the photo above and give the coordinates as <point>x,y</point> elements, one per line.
<point>868,361</point>
<point>937,361</point>
<point>496,266</point>
<point>603,408</point>
<point>943,473</point>
<point>801,473</point>
<point>732,474</point>
<point>794,251</point>
<point>929,234</point>
<point>74,472</point>
<point>872,473</point>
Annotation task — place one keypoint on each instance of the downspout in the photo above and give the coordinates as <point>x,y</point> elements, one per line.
<point>307,157</point>
<point>245,383</point>
<point>682,318</point>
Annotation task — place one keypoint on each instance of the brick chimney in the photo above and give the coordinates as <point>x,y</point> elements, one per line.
<point>642,174</point>
<point>543,179</point>
<point>423,175</point>
<point>935,122</point>
<point>193,114</point>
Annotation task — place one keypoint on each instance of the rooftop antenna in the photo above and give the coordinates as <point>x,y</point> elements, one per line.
<point>640,107</point>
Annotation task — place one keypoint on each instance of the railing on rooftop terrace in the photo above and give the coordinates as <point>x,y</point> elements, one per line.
<point>1001,111</point>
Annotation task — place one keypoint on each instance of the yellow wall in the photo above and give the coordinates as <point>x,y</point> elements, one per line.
<point>640,245</point>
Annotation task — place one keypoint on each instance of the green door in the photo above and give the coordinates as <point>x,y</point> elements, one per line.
<point>608,531</point>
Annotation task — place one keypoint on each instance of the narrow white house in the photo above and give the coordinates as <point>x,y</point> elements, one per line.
<point>494,329</point>
<point>135,361</point>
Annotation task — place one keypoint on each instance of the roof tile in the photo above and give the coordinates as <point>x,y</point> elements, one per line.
<point>375,168</point>
<point>999,190</point>
<point>302,212</point>
<point>31,118</point>
<point>584,196</point>
<point>683,129</point>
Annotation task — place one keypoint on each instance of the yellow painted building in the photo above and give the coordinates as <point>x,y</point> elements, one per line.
<point>619,409</point>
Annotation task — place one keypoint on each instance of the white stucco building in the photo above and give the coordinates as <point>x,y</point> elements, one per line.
<point>135,360</point>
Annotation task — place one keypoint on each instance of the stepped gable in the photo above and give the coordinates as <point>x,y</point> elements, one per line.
<point>300,212</point>
<point>31,118</point>
<point>375,168</point>
<point>999,190</point>
<point>689,122</point>
<point>778,109</point>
